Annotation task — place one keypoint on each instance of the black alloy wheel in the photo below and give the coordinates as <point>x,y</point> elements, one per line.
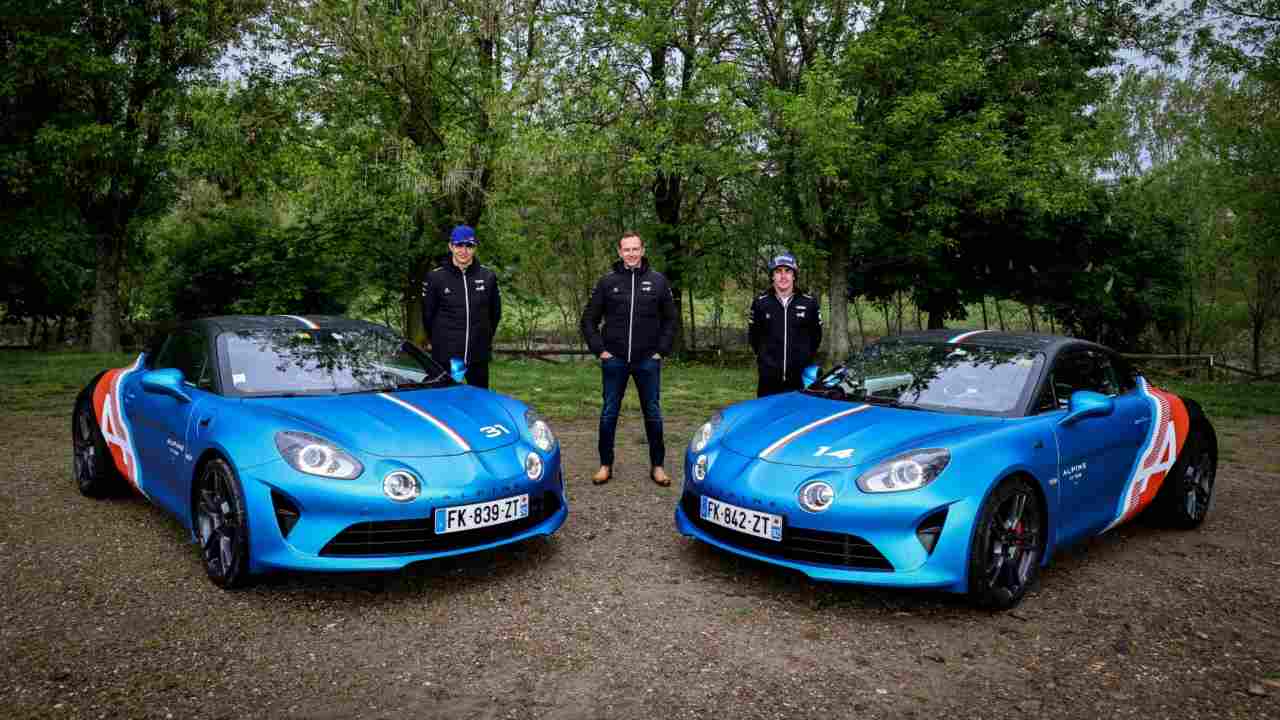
<point>222,525</point>
<point>1004,558</point>
<point>95,473</point>
<point>1188,492</point>
<point>1197,486</point>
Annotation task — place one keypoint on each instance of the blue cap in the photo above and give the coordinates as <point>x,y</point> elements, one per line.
<point>463,235</point>
<point>784,259</point>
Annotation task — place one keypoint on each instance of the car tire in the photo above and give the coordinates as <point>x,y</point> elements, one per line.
<point>95,473</point>
<point>221,522</point>
<point>1007,545</point>
<point>1187,494</point>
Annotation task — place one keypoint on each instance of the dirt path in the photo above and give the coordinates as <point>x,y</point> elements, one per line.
<point>106,613</point>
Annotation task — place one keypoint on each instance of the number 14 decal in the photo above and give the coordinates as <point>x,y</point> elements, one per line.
<point>843,454</point>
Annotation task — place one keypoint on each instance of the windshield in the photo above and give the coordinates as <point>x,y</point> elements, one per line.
<point>324,362</point>
<point>966,378</point>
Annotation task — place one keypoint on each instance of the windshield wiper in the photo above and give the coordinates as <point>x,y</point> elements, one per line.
<point>890,402</point>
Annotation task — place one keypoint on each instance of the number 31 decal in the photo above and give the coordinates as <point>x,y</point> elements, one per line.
<point>495,430</point>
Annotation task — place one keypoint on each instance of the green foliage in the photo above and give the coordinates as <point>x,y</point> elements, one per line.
<point>46,383</point>
<point>95,84</point>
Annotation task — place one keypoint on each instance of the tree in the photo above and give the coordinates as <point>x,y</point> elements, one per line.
<point>680,129</point>
<point>415,99</point>
<point>897,125</point>
<point>101,79</point>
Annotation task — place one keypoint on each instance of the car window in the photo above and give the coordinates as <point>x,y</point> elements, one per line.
<point>1079,370</point>
<point>187,351</point>
<point>927,376</point>
<point>298,361</point>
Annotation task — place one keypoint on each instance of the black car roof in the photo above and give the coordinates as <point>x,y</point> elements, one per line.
<point>225,323</point>
<point>1032,342</point>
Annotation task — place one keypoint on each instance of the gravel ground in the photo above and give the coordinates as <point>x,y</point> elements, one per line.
<point>106,613</point>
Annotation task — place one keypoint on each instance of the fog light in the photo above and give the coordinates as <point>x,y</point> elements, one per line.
<point>533,466</point>
<point>931,529</point>
<point>401,486</point>
<point>700,468</point>
<point>816,496</point>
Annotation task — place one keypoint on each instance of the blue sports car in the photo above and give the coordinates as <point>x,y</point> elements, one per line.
<point>957,461</point>
<point>316,443</point>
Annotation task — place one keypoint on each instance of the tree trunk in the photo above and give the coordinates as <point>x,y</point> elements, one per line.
<point>693,328</point>
<point>667,196</point>
<point>1259,326</point>
<point>838,348</point>
<point>985,325</point>
<point>105,335</point>
<point>1000,314</point>
<point>857,313</point>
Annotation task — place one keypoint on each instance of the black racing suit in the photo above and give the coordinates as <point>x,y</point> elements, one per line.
<point>460,312</point>
<point>785,340</point>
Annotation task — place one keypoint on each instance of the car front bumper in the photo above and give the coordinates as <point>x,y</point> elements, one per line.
<point>346,526</point>
<point>861,539</point>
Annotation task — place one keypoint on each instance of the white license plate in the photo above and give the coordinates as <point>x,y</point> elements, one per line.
<point>745,520</point>
<point>481,514</point>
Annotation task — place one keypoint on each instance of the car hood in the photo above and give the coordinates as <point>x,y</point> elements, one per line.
<point>417,423</point>
<point>807,431</point>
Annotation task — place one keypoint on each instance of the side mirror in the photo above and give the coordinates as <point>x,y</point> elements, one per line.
<point>166,382</point>
<point>810,376</point>
<point>1086,403</point>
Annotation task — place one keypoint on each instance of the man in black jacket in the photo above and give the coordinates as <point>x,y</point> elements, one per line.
<point>461,308</point>
<point>785,328</point>
<point>639,314</point>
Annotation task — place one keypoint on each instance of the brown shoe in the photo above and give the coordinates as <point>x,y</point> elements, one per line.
<point>660,476</point>
<point>602,475</point>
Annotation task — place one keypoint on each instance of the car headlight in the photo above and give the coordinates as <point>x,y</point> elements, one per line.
<point>816,496</point>
<point>702,435</point>
<point>700,468</point>
<point>316,456</point>
<point>908,471</point>
<point>543,438</point>
<point>533,466</point>
<point>401,486</point>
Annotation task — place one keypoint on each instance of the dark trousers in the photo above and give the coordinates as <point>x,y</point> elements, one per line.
<point>614,375</point>
<point>772,384</point>
<point>478,375</point>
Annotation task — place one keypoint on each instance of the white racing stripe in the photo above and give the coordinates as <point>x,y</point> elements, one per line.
<point>310,325</point>
<point>816,423</point>
<point>431,419</point>
<point>126,447</point>
<point>965,336</point>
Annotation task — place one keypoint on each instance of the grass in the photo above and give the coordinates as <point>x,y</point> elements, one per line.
<point>1223,399</point>
<point>47,381</point>
<point>571,390</point>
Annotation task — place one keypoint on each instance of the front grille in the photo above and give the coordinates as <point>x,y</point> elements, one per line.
<point>798,544</point>
<point>411,537</point>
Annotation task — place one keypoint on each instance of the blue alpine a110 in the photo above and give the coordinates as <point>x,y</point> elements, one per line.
<point>316,443</point>
<point>956,461</point>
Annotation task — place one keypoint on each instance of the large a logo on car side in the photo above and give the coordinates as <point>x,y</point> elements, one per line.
<point>115,430</point>
<point>1164,441</point>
